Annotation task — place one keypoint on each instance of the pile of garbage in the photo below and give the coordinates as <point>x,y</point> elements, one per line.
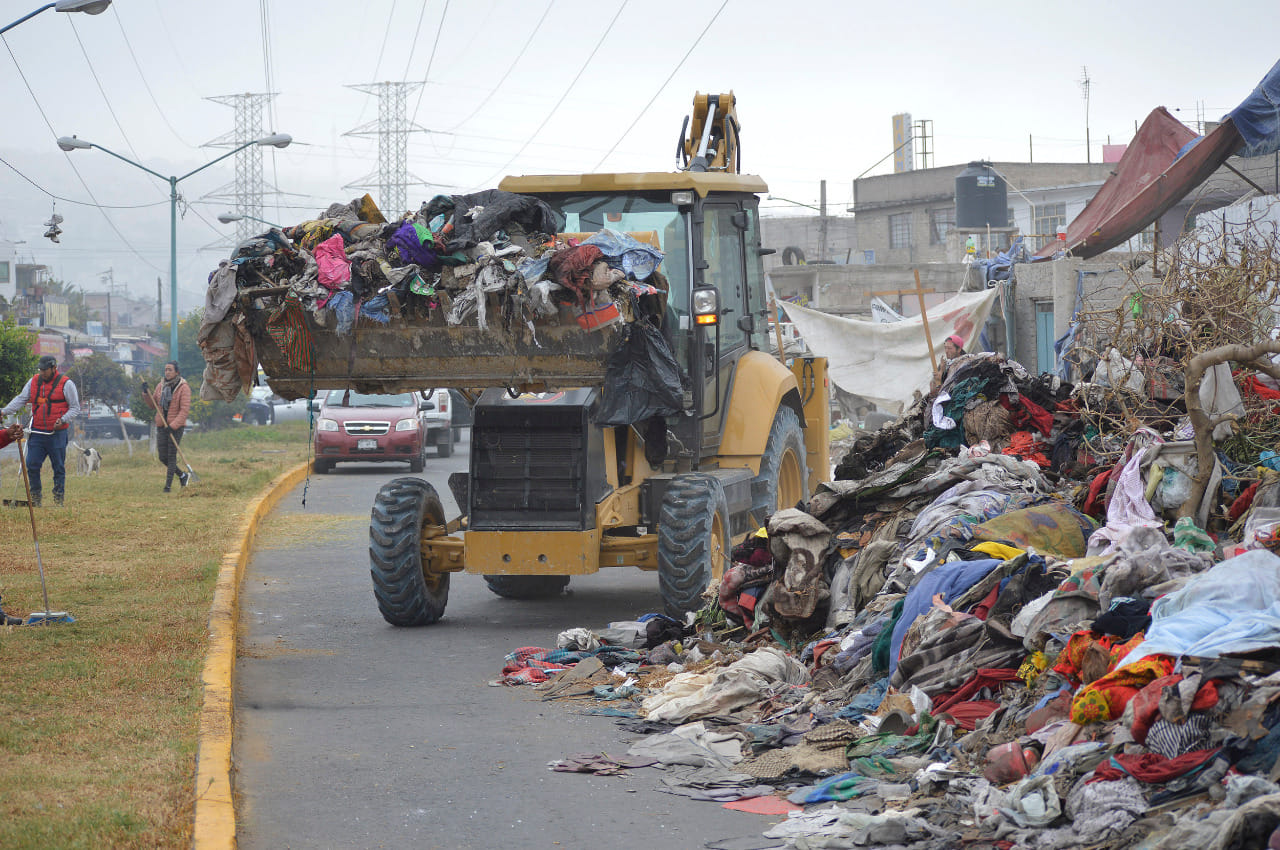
<point>1005,623</point>
<point>488,258</point>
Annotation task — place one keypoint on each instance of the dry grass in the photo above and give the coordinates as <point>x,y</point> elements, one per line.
<point>98,741</point>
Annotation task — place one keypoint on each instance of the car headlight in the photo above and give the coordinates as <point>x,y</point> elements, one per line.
<point>407,425</point>
<point>327,425</point>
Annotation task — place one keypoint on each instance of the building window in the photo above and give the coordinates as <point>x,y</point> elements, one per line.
<point>941,222</point>
<point>4,271</point>
<point>900,230</point>
<point>1047,220</point>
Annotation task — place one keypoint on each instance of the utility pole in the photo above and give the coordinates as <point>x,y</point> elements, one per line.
<point>1084,87</point>
<point>822,222</point>
<point>159,303</point>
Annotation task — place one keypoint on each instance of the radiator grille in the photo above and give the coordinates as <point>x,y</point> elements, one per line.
<point>528,476</point>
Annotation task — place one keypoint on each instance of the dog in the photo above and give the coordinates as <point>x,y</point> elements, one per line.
<point>88,461</point>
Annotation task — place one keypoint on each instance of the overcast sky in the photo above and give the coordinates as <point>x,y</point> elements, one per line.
<point>556,86</point>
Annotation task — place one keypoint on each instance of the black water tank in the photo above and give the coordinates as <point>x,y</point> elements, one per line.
<point>982,199</point>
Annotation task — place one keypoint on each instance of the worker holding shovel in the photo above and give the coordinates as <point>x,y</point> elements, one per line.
<point>172,401</point>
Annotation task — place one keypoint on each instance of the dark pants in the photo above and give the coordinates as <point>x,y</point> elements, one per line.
<point>54,447</point>
<point>168,452</point>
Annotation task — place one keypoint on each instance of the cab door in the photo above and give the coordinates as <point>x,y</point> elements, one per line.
<point>724,266</point>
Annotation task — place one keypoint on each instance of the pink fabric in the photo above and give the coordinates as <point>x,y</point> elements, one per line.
<point>331,256</point>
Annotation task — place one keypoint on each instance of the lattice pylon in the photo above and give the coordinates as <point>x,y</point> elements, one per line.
<point>245,195</point>
<point>392,179</point>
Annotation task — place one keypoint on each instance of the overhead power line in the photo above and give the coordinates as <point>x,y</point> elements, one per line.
<point>665,83</point>
<point>79,176</point>
<point>569,88</point>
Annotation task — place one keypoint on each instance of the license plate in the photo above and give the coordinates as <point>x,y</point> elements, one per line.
<point>366,444</point>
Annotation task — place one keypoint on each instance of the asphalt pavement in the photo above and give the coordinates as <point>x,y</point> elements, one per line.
<point>350,732</point>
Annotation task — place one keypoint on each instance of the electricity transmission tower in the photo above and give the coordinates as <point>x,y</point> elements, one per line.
<point>247,191</point>
<point>392,128</point>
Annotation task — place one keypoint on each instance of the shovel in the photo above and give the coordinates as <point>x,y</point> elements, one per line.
<point>191,473</point>
<point>40,617</point>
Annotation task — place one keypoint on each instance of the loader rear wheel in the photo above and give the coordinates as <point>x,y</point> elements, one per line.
<point>784,475</point>
<point>527,587</point>
<point>406,512</point>
<point>693,540</point>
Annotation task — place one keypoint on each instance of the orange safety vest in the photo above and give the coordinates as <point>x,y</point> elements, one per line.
<point>48,403</point>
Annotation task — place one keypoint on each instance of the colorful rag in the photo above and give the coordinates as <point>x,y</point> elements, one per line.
<point>287,327</point>
<point>1152,767</point>
<point>1105,699</point>
<point>1052,528</point>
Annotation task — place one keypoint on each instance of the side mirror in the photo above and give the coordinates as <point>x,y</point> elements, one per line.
<point>313,405</point>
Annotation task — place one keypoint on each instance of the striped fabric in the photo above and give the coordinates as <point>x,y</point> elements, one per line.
<point>287,327</point>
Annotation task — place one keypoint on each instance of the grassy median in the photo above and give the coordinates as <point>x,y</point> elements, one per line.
<point>98,719</point>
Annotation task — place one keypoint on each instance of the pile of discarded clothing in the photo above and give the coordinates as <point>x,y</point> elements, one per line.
<point>485,258</point>
<point>993,629</point>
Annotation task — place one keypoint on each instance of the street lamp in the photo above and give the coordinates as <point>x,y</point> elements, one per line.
<point>89,7</point>
<point>228,218</point>
<point>71,143</point>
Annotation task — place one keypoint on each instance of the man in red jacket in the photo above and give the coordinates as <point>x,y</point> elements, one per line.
<point>54,403</point>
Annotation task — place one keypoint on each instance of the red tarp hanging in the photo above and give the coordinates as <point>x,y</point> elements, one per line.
<point>1147,181</point>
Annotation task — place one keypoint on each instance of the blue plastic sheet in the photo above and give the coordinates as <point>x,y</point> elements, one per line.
<point>624,252</point>
<point>1257,118</point>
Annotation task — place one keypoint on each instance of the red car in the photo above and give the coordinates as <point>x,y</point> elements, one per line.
<point>375,428</point>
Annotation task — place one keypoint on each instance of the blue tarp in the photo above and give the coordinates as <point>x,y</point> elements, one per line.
<point>1257,119</point>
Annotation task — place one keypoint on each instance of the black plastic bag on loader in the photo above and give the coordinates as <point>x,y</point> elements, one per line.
<point>642,379</point>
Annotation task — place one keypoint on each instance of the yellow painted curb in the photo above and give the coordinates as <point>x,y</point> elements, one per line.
<point>215,814</point>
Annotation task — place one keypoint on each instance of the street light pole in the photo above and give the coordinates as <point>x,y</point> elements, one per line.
<point>71,143</point>
<point>89,7</point>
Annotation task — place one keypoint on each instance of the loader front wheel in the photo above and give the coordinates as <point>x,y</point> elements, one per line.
<point>527,587</point>
<point>693,541</point>
<point>784,475</point>
<point>406,512</point>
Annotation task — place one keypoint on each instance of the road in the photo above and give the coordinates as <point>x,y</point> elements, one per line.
<point>353,733</point>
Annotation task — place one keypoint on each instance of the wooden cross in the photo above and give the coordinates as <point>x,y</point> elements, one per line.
<point>924,316</point>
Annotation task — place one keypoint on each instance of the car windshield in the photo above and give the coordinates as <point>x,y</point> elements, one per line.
<point>335,397</point>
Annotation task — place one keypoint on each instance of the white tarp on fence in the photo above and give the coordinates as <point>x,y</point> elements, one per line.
<point>887,362</point>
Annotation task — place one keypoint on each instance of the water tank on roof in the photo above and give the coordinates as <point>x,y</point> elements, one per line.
<point>982,199</point>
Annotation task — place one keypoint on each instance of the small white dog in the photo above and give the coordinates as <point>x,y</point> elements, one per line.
<point>88,461</point>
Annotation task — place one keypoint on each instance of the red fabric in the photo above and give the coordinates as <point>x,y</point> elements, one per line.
<point>1243,502</point>
<point>571,268</point>
<point>1149,179</point>
<point>983,608</point>
<point>1095,503</point>
<point>1025,446</point>
<point>1207,697</point>
<point>1146,706</point>
<point>967,714</point>
<point>1041,418</point>
<point>1151,767</point>
<point>1250,385</point>
<point>986,677</point>
<point>821,650</point>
